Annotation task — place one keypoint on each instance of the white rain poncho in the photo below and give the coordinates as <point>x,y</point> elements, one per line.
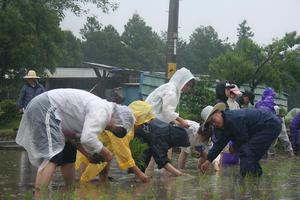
<point>58,111</point>
<point>165,98</point>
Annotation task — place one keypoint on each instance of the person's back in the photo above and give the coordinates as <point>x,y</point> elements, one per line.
<point>267,101</point>
<point>165,98</point>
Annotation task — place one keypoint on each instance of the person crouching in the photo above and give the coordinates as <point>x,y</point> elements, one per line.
<point>251,130</point>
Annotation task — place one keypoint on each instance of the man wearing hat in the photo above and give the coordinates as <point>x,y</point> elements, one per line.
<point>251,130</point>
<point>30,89</point>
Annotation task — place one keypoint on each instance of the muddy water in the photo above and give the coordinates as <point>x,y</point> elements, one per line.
<point>281,180</point>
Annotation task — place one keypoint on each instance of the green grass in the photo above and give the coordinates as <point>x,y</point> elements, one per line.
<point>10,129</point>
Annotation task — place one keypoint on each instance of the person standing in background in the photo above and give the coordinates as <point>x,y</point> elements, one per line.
<point>29,90</point>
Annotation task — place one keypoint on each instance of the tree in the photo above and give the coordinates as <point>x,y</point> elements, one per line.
<point>103,46</point>
<point>244,31</point>
<point>76,6</point>
<point>71,50</point>
<point>30,35</point>
<point>144,49</point>
<point>275,65</point>
<point>204,45</point>
<point>92,25</point>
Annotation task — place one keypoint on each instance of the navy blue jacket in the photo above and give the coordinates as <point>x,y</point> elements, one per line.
<point>240,126</point>
<point>27,93</point>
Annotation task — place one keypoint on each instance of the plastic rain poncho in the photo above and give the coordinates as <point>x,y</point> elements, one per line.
<point>165,98</point>
<point>118,146</point>
<point>75,111</point>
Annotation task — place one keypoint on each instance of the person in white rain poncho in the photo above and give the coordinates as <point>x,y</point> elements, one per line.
<point>165,99</point>
<point>58,121</point>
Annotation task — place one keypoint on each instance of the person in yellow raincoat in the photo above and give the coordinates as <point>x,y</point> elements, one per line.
<point>118,146</point>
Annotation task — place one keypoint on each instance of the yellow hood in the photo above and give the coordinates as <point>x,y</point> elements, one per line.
<point>142,112</point>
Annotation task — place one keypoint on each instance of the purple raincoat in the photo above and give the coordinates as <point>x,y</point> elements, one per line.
<point>267,100</point>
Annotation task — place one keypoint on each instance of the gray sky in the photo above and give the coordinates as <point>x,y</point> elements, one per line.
<point>268,18</point>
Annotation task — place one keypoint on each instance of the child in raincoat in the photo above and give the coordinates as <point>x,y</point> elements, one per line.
<point>119,147</point>
<point>165,99</point>
<point>200,144</point>
<point>159,136</point>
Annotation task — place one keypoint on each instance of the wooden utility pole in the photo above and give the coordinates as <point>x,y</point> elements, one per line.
<point>172,38</point>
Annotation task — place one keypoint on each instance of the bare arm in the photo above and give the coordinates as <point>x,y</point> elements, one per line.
<point>170,168</point>
<point>182,122</point>
<point>140,174</point>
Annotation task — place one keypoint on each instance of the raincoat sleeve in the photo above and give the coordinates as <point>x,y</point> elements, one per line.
<point>169,104</point>
<point>218,146</point>
<point>294,128</point>
<point>20,102</point>
<point>91,171</point>
<point>96,120</point>
<point>121,150</point>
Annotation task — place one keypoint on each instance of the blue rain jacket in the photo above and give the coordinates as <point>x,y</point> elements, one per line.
<point>241,125</point>
<point>27,93</point>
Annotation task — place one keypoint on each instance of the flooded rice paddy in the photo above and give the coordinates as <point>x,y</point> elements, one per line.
<point>281,180</point>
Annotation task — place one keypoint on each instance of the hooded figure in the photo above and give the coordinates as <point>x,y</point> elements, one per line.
<point>267,100</point>
<point>68,110</point>
<point>165,98</point>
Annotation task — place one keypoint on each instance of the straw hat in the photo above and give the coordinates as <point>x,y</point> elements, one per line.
<point>209,110</point>
<point>31,74</point>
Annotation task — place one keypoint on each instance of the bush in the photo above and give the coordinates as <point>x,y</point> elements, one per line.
<point>8,111</point>
<point>194,101</point>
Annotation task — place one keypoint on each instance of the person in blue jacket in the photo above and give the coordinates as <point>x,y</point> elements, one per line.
<point>31,89</point>
<point>251,130</point>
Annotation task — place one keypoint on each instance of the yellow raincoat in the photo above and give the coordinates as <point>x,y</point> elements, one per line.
<point>118,146</point>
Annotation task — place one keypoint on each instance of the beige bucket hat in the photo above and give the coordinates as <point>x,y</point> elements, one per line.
<point>31,74</point>
<point>207,112</point>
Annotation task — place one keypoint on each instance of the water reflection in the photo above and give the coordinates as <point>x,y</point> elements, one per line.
<point>281,180</point>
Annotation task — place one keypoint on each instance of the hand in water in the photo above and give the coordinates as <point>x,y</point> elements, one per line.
<point>204,166</point>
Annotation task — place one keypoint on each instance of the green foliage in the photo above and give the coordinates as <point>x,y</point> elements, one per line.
<point>76,6</point>
<point>276,65</point>
<point>36,37</point>
<point>30,35</point>
<point>8,111</point>
<point>244,31</point>
<point>137,149</point>
<point>71,50</point>
<point>203,46</point>
<point>194,101</point>
<point>144,49</point>
<point>91,26</point>
<point>103,46</point>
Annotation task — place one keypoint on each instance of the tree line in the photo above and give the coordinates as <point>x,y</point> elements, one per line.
<point>30,37</point>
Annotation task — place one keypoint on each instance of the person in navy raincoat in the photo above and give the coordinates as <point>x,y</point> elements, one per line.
<point>251,130</point>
